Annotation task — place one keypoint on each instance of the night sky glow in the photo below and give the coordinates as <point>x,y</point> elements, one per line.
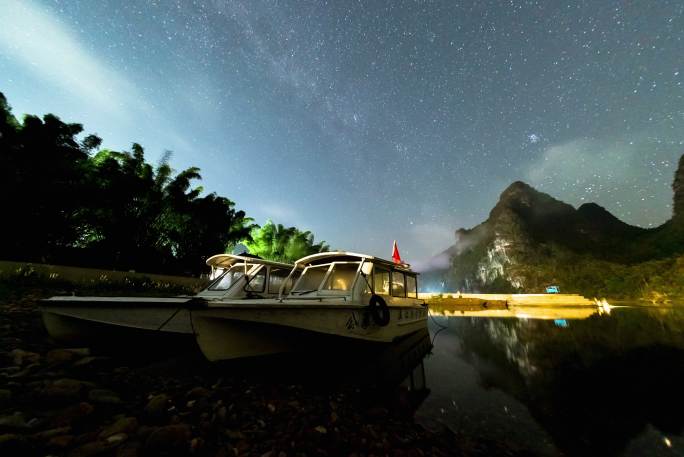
<point>371,121</point>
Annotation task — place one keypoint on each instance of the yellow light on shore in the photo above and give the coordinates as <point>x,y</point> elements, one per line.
<point>603,306</point>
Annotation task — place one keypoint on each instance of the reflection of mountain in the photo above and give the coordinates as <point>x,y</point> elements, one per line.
<point>531,240</point>
<point>595,385</point>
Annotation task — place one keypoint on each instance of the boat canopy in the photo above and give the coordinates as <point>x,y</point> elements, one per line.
<point>342,256</point>
<point>227,260</point>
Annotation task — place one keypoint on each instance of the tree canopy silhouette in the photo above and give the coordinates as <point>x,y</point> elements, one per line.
<point>284,244</point>
<point>67,201</point>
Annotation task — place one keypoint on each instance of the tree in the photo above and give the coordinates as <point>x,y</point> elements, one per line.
<point>285,244</point>
<point>65,200</point>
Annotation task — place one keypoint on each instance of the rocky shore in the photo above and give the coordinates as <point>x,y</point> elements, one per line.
<point>81,402</point>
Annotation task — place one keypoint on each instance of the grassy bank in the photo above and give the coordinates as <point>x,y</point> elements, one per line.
<point>656,281</point>
<point>16,277</point>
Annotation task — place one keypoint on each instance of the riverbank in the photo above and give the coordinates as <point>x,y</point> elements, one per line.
<point>85,402</point>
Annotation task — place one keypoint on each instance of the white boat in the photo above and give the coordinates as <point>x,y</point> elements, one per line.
<point>339,296</point>
<point>233,277</point>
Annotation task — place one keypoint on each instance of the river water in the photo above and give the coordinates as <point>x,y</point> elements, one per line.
<point>609,383</point>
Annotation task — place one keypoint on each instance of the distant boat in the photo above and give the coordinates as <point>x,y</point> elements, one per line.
<point>234,277</point>
<point>339,296</point>
<point>552,289</point>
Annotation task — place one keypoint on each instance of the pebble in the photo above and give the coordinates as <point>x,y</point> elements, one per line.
<point>25,372</point>
<point>5,396</point>
<point>234,435</point>
<point>61,441</point>
<point>104,396</point>
<point>64,388</point>
<point>7,438</point>
<point>91,449</point>
<point>47,434</point>
<point>21,357</point>
<point>88,361</point>
<point>12,445</point>
<point>129,449</point>
<point>73,413</point>
<point>158,405</point>
<point>169,439</point>
<point>123,425</point>
<point>14,421</point>
<point>117,438</point>
<point>198,392</point>
<point>59,356</point>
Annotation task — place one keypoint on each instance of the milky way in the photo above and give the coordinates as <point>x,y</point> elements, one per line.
<point>371,121</point>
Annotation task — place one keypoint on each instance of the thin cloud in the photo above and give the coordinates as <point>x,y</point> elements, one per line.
<point>32,36</point>
<point>431,240</point>
<point>279,213</point>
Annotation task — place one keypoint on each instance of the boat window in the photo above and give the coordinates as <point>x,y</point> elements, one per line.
<point>411,286</point>
<point>398,286</point>
<point>366,278</point>
<point>342,276</point>
<point>311,279</point>
<point>381,281</point>
<point>227,279</point>
<point>276,279</point>
<point>257,282</point>
<point>292,281</point>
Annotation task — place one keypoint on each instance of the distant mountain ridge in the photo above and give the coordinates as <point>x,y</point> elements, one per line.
<point>531,239</point>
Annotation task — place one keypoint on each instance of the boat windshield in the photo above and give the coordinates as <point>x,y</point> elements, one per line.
<point>341,277</point>
<point>228,278</point>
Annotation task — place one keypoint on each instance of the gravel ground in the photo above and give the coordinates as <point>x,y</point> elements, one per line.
<point>148,401</point>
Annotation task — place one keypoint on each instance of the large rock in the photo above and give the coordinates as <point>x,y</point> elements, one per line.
<point>528,232</point>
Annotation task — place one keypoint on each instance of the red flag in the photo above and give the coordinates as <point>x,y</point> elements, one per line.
<point>395,253</point>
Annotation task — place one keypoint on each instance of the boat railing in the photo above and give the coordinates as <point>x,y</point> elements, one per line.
<point>317,297</point>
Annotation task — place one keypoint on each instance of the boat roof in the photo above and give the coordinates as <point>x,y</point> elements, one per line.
<point>227,260</point>
<point>341,256</point>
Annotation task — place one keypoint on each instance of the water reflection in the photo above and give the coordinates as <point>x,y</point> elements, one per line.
<point>561,381</point>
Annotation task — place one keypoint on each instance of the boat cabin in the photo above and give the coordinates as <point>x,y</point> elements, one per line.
<point>355,277</point>
<point>247,276</point>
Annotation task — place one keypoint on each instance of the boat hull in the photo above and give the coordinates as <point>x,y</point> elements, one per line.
<point>75,319</point>
<point>231,332</point>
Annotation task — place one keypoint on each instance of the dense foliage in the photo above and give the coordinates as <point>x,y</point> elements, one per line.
<point>657,281</point>
<point>65,200</point>
<point>285,244</point>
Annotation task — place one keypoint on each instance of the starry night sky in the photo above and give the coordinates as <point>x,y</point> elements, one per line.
<point>371,121</point>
